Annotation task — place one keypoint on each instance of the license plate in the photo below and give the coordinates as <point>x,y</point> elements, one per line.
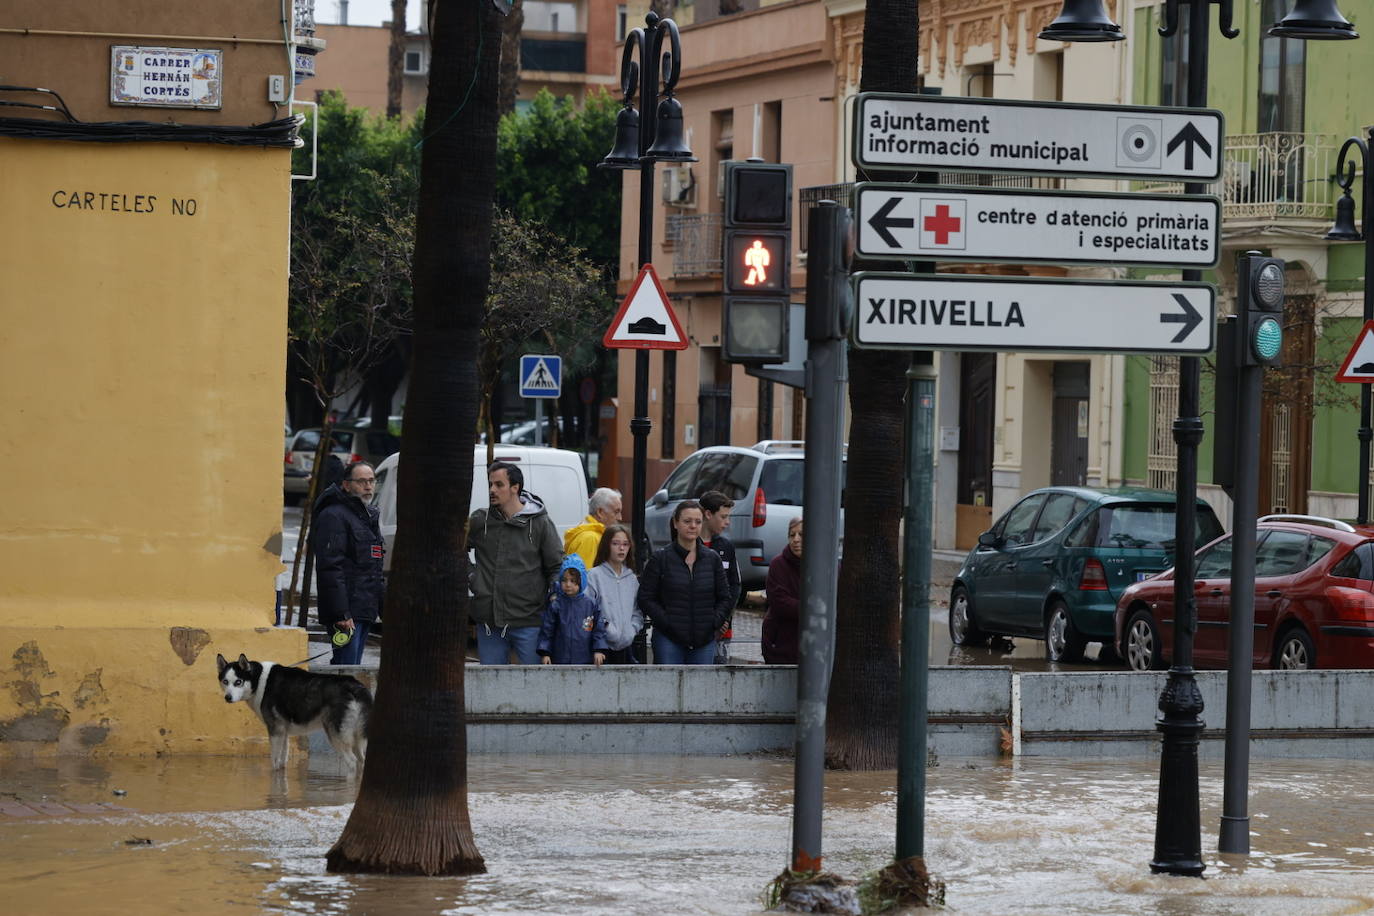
<point>307,462</point>
<point>1141,576</point>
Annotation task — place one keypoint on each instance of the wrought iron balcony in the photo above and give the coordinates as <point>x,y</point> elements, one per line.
<point>696,242</point>
<point>1274,178</point>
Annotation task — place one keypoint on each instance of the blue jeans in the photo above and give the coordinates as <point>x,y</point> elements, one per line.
<point>667,652</point>
<point>352,654</point>
<point>493,648</point>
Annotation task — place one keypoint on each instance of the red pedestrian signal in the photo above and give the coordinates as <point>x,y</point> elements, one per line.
<point>758,261</point>
<point>757,256</point>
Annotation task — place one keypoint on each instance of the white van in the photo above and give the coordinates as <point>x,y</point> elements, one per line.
<point>555,475</point>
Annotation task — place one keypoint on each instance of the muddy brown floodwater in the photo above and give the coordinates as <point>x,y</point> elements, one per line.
<point>660,835</point>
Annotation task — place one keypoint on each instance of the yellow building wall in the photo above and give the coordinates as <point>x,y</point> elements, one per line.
<point>144,290</point>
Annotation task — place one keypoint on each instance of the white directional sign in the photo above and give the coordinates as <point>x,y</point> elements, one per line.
<point>540,376</point>
<point>969,224</point>
<point>947,312</point>
<point>894,131</point>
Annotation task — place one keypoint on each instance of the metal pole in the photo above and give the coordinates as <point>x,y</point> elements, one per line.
<point>911,735</point>
<point>1365,432</point>
<point>640,424</point>
<point>1178,823</point>
<point>1235,817</point>
<point>826,375</point>
<point>538,421</point>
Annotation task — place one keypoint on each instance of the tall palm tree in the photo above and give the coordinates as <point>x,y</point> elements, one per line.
<point>861,724</point>
<point>411,816</point>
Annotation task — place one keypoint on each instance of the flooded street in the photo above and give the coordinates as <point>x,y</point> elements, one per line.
<point>614,835</point>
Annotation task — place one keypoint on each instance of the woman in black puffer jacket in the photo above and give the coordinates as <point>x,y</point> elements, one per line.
<point>685,593</point>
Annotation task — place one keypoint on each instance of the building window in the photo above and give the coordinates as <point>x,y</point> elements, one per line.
<point>978,81</point>
<point>1283,79</point>
<point>550,16</point>
<point>415,62</point>
<point>622,21</point>
<point>1162,462</point>
<point>765,430</point>
<point>722,145</point>
<point>1173,88</point>
<point>713,399</point>
<point>669,433</point>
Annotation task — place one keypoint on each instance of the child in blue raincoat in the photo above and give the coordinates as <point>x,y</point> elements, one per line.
<point>574,631</point>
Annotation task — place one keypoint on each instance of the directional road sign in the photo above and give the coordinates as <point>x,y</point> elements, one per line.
<point>970,224</point>
<point>947,312</point>
<point>893,131</point>
<point>540,376</point>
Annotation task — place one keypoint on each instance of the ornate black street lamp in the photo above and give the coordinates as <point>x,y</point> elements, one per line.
<point>1344,231</point>
<point>1178,841</point>
<point>643,136</point>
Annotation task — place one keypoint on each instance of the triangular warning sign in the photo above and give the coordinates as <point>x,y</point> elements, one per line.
<point>540,377</point>
<point>1359,365</point>
<point>645,320</point>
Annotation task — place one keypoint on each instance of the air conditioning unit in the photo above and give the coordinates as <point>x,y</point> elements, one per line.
<point>679,187</point>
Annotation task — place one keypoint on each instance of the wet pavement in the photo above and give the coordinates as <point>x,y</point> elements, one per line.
<point>617,835</point>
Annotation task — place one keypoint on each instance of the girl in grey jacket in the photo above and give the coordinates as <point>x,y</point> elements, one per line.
<point>614,585</point>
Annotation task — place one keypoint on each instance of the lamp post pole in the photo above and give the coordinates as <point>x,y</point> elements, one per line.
<point>1344,230</point>
<point>637,148</point>
<point>1178,825</point>
<point>1178,839</point>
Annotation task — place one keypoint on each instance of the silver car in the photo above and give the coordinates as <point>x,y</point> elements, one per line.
<point>350,442</point>
<point>764,480</point>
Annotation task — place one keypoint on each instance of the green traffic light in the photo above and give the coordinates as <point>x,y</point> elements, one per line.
<point>1267,339</point>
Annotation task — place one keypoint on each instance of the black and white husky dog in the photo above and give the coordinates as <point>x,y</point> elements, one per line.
<point>292,701</point>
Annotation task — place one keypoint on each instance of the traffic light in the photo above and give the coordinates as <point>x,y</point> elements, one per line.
<point>757,255</point>
<point>830,248</point>
<point>1259,310</point>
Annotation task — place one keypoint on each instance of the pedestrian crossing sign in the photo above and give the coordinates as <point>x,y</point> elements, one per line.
<point>541,376</point>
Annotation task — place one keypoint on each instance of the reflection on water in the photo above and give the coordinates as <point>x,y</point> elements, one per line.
<point>619,835</point>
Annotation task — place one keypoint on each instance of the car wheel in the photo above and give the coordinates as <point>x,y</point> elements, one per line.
<point>1062,640</point>
<point>1144,650</point>
<point>963,629</point>
<point>1295,651</point>
<point>291,499</point>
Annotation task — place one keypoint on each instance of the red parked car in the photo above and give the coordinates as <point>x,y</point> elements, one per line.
<point>1314,600</point>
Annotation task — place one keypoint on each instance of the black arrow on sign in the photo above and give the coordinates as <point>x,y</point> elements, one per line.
<point>1190,318</point>
<point>882,222</point>
<point>1190,137</point>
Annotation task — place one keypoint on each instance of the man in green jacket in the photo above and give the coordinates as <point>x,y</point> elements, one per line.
<point>516,544</point>
<point>603,508</point>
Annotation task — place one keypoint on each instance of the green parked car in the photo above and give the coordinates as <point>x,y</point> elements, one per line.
<point>1055,564</point>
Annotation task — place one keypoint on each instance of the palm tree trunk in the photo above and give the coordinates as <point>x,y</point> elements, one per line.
<point>863,702</point>
<point>395,59</point>
<point>411,816</point>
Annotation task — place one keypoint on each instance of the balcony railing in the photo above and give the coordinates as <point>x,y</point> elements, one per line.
<point>1273,177</point>
<point>696,241</point>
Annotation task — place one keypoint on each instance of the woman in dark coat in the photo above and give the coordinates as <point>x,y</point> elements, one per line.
<point>781,623</point>
<point>685,593</point>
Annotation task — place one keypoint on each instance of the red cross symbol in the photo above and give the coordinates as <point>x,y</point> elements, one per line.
<point>942,224</point>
